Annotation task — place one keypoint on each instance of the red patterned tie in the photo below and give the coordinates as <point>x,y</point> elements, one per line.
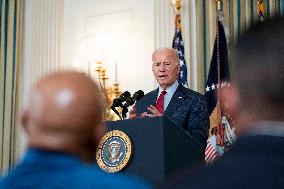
<point>160,102</point>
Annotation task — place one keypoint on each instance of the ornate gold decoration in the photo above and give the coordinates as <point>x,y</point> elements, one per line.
<point>177,5</point>
<point>110,92</point>
<point>218,5</point>
<point>114,151</point>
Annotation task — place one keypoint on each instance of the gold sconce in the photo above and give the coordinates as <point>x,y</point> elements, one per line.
<point>218,5</point>
<point>110,92</point>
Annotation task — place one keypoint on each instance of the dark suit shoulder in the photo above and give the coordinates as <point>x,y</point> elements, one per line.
<point>193,95</point>
<point>190,92</point>
<point>252,162</point>
<point>150,94</point>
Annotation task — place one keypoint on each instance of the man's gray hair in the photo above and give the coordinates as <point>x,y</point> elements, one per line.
<point>173,53</point>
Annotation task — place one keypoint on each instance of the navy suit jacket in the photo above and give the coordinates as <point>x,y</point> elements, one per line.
<point>187,109</point>
<point>253,162</point>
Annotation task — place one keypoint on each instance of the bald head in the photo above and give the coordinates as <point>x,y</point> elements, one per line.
<point>257,92</point>
<point>65,114</point>
<point>258,67</point>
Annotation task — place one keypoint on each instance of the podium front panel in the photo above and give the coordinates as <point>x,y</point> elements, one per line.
<point>160,148</point>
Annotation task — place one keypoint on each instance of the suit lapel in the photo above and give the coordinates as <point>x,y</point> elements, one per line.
<point>153,97</point>
<point>176,100</point>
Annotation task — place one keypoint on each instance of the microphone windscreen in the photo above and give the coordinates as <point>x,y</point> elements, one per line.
<point>118,101</point>
<point>124,96</point>
<point>138,95</point>
<point>131,100</point>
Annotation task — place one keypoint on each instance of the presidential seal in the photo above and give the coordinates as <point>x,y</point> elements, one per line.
<point>114,151</point>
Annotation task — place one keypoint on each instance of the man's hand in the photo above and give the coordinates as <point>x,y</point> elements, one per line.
<point>154,112</point>
<point>132,113</point>
<point>151,108</point>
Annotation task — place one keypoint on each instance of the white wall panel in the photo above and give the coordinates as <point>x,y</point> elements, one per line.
<point>42,43</point>
<point>111,31</point>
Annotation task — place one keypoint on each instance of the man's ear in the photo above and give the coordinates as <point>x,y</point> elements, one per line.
<point>178,69</point>
<point>230,100</point>
<point>24,120</point>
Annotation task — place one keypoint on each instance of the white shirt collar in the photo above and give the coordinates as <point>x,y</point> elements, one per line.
<point>170,92</point>
<point>267,127</point>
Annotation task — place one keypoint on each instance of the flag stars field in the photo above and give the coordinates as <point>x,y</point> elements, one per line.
<point>216,86</point>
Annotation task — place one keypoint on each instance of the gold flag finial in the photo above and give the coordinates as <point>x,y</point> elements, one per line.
<point>218,5</point>
<point>177,5</point>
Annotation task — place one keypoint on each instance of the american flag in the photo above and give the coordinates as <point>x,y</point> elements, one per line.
<point>178,45</point>
<point>218,77</point>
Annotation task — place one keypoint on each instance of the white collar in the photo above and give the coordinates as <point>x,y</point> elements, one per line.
<point>267,127</point>
<point>170,90</point>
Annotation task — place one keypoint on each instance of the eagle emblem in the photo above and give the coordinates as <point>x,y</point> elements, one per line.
<point>114,151</point>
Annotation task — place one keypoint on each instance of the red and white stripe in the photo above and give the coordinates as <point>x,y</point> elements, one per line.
<point>210,153</point>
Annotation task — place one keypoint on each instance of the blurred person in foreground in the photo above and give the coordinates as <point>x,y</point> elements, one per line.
<point>256,102</point>
<point>63,122</point>
<point>182,106</point>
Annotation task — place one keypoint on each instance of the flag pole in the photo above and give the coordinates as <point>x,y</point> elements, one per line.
<point>218,9</point>
<point>220,128</point>
<point>177,6</point>
<point>178,45</point>
<point>218,5</point>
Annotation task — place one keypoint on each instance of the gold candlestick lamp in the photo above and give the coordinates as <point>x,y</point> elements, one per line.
<point>110,92</point>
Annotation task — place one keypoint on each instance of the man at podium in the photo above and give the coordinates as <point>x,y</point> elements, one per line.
<point>182,106</point>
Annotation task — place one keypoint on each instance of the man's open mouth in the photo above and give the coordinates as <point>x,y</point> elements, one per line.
<point>162,76</point>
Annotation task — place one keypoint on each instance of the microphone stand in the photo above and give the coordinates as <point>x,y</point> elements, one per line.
<point>124,112</point>
<point>116,112</point>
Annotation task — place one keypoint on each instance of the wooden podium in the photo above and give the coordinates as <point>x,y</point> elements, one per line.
<point>160,148</point>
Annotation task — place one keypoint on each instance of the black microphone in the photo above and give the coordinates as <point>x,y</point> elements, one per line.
<point>118,101</point>
<point>131,100</point>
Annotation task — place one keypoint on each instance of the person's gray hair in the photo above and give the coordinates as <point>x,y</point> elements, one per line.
<point>173,53</point>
